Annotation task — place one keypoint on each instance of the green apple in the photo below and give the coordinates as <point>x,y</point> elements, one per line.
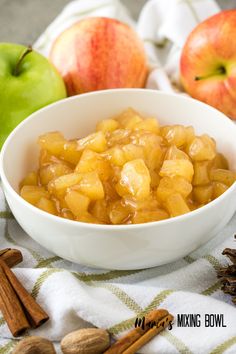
<point>28,81</point>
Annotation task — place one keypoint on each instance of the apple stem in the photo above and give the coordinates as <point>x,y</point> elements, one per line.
<point>23,55</point>
<point>219,71</point>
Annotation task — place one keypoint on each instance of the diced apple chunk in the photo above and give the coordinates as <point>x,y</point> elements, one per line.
<point>30,180</point>
<point>176,205</point>
<point>202,148</point>
<point>129,118</point>
<point>54,170</point>
<point>96,142</point>
<point>91,161</point>
<point>116,156</point>
<point>33,194</point>
<point>110,191</point>
<point>47,205</point>
<point>154,158</point>
<point>91,186</point>
<point>132,152</point>
<point>66,214</point>
<point>151,145</point>
<point>149,124</point>
<point>224,176</point>
<point>190,134</point>
<point>118,212</point>
<point>146,139</point>
<point>148,204</point>
<point>219,161</point>
<point>77,202</point>
<point>45,158</point>
<point>203,194</point>
<point>155,179</point>
<point>218,189</point>
<point>172,168</point>
<point>99,211</point>
<point>201,173</point>
<point>59,185</point>
<point>128,152</point>
<point>107,125</point>
<point>71,152</point>
<point>174,134</point>
<point>172,185</point>
<point>116,174</point>
<point>88,218</point>
<point>52,142</point>
<point>135,177</point>
<point>149,216</point>
<point>173,153</point>
<point>119,137</point>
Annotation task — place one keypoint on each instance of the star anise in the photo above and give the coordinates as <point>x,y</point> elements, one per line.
<point>227,275</point>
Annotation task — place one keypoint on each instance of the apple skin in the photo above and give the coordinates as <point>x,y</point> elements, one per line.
<point>208,62</point>
<point>36,85</point>
<point>99,53</point>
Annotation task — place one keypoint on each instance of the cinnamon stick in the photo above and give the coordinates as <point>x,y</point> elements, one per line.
<point>230,253</point>
<point>11,307</point>
<point>125,342</point>
<point>4,251</point>
<point>35,314</point>
<point>11,256</point>
<point>149,335</point>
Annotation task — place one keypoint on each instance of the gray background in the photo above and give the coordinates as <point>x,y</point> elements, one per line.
<point>22,21</point>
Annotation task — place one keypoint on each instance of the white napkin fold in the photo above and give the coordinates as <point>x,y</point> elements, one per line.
<point>164,27</point>
<point>76,296</point>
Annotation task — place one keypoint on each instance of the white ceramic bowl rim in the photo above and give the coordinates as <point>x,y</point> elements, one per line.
<point>104,226</point>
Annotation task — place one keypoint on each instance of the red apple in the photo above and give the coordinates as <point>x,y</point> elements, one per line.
<point>99,53</point>
<point>208,62</point>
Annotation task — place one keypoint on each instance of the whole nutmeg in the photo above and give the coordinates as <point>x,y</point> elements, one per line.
<point>86,341</point>
<point>34,345</point>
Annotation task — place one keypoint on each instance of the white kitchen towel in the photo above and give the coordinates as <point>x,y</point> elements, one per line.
<point>164,27</point>
<point>76,296</point>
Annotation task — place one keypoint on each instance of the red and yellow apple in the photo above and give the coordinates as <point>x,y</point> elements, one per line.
<point>208,62</point>
<point>99,53</point>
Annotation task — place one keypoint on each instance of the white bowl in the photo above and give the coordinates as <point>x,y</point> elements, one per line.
<point>124,246</point>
